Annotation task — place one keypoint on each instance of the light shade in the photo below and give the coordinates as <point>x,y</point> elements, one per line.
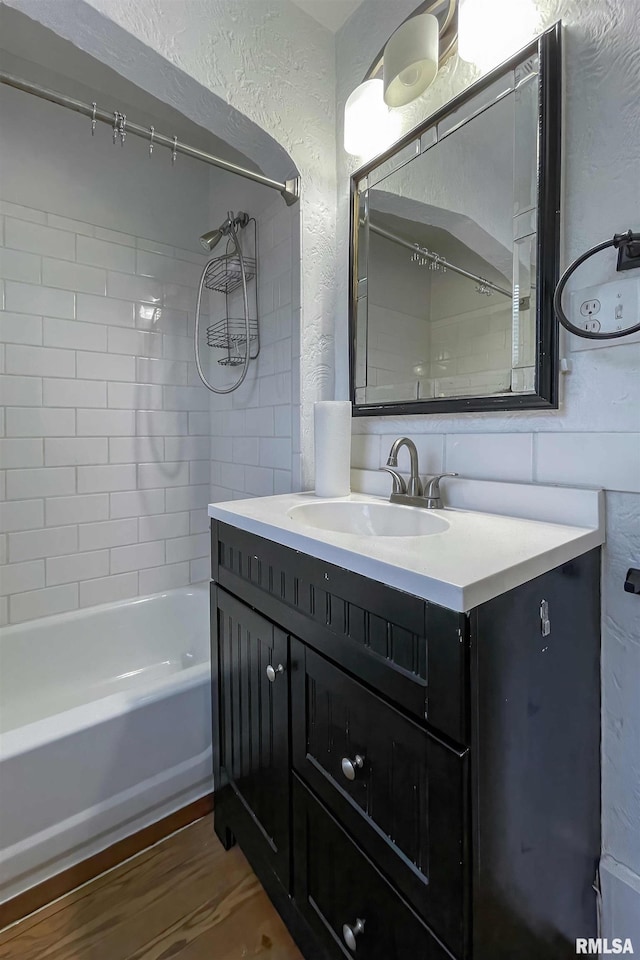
<point>369,126</point>
<point>410,60</point>
<point>490,31</point>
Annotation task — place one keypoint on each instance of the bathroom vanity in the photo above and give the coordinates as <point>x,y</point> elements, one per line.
<point>412,772</point>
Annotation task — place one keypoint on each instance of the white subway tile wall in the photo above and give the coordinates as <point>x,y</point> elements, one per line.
<point>253,442</point>
<point>111,448</point>
<point>607,460</point>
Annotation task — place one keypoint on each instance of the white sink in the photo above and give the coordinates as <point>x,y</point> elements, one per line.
<point>368,519</point>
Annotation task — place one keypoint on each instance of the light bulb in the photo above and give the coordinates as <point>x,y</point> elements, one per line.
<point>490,31</point>
<point>369,125</point>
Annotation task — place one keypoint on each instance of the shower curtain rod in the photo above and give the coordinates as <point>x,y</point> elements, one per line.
<point>416,248</point>
<point>289,190</point>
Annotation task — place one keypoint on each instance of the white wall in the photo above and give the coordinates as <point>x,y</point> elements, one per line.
<point>594,439</point>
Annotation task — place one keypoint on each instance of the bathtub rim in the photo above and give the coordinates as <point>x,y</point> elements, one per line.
<point>41,732</point>
<point>11,629</point>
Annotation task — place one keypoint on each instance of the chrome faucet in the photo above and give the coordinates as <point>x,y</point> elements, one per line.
<point>412,493</point>
<point>414,487</point>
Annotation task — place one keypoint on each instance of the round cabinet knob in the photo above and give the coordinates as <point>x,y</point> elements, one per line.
<point>349,933</point>
<point>350,767</point>
<point>272,672</point>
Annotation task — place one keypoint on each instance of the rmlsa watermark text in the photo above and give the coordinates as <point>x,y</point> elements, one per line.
<point>603,947</point>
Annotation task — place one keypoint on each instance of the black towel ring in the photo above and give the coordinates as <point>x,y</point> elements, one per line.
<point>628,246</point>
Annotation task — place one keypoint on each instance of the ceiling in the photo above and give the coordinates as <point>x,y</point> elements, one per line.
<point>332,14</point>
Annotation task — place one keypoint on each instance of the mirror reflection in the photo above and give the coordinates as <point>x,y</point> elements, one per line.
<point>445,256</point>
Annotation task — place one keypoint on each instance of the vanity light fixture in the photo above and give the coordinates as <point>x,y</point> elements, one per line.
<point>401,71</point>
<point>369,125</point>
<point>411,59</point>
<point>489,31</point>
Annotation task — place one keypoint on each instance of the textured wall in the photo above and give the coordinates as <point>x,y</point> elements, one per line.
<point>594,438</point>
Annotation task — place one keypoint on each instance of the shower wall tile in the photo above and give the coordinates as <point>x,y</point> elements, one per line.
<point>106,423</point>
<point>42,603</point>
<point>105,254</point>
<point>138,556</point>
<point>21,576</point>
<point>18,265</point>
<point>40,361</point>
<point>74,276</point>
<point>20,328</point>
<point>92,309</point>
<point>108,448</point>
<point>42,301</point>
<point>137,503</point>
<point>134,396</point>
<point>77,509</point>
<point>37,421</point>
<point>106,479</point>
<point>40,482</point>
<point>101,366</point>
<point>23,235</point>
<point>34,544</point>
<point>253,435</point>
<point>111,533</point>
<point>78,566</point>
<point>74,393</point>
<point>108,589</point>
<point>69,451</point>
<point>74,336</point>
<point>21,515</point>
<point>21,453</point>
<point>164,578</point>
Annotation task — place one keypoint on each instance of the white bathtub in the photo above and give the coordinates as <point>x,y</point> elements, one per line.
<point>105,727</point>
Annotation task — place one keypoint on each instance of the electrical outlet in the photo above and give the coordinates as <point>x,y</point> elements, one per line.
<point>603,309</point>
<point>589,307</point>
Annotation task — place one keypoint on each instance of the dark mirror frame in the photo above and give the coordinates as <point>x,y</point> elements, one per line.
<point>548,47</point>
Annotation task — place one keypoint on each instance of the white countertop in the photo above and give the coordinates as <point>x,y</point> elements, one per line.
<point>481,555</point>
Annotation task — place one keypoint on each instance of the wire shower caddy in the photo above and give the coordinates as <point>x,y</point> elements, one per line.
<point>224,275</point>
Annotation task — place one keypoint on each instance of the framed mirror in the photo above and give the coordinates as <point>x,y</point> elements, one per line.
<point>454,251</point>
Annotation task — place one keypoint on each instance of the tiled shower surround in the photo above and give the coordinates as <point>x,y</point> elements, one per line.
<point>106,429</point>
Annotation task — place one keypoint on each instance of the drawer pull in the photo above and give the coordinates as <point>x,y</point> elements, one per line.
<point>272,672</point>
<point>349,933</point>
<point>349,769</point>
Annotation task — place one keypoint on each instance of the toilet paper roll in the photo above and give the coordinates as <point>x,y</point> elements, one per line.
<point>332,423</point>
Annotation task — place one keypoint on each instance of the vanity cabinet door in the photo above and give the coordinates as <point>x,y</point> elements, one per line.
<point>251,769</point>
<point>345,899</point>
<point>401,792</point>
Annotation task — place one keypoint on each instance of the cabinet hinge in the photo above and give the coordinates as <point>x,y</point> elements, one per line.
<point>545,622</point>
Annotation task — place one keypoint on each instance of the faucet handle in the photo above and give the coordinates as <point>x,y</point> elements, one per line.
<point>432,490</point>
<point>399,486</point>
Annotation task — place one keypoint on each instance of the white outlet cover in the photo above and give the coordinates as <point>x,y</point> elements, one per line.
<point>606,308</point>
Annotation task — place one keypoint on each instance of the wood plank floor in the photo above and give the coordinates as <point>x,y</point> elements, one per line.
<point>184,899</point>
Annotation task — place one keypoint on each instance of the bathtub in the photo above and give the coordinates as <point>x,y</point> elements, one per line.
<point>105,727</point>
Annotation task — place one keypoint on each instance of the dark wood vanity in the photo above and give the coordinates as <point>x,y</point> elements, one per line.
<point>408,781</point>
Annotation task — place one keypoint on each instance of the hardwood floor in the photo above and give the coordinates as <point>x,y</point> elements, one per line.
<point>184,899</point>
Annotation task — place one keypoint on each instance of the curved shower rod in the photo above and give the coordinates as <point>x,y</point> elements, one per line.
<point>289,190</point>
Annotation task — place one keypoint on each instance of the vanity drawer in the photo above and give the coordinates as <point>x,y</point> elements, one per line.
<point>400,792</point>
<point>336,885</point>
<point>413,652</point>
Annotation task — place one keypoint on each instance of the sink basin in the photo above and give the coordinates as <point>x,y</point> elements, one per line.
<point>368,519</point>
